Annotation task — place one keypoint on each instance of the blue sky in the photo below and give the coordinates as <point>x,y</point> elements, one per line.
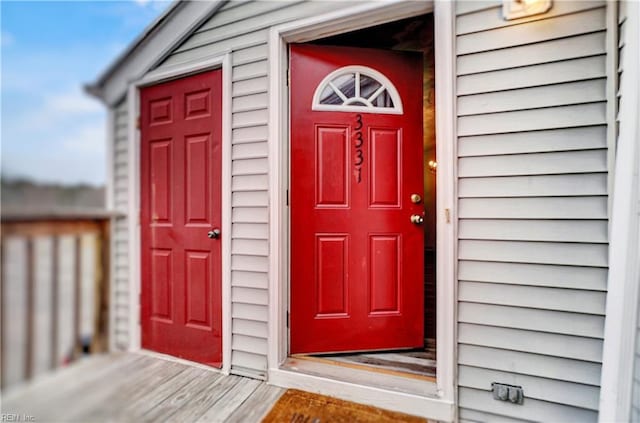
<point>50,130</point>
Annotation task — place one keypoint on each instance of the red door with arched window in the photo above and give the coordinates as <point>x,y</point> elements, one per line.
<point>356,224</point>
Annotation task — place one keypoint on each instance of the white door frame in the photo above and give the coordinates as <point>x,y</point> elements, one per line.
<point>440,407</point>
<point>619,355</point>
<point>222,61</point>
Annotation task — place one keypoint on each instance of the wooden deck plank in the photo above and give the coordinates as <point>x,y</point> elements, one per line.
<point>62,376</point>
<point>155,395</point>
<point>231,400</point>
<point>92,392</point>
<point>207,399</point>
<point>133,390</point>
<point>66,383</point>
<point>181,398</point>
<point>257,405</point>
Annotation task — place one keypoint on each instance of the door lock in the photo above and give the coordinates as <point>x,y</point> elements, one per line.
<point>214,234</point>
<point>416,198</point>
<point>416,219</point>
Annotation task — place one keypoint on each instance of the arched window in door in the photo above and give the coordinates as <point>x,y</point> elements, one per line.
<point>357,89</point>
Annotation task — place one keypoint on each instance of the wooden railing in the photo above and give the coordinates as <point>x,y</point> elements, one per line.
<point>54,291</point>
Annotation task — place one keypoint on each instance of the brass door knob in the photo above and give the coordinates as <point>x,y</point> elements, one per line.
<point>416,219</point>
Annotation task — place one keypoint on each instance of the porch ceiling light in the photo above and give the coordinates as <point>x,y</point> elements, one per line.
<point>514,9</point>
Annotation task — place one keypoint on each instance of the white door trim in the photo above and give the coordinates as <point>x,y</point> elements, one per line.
<point>370,14</point>
<point>133,98</point>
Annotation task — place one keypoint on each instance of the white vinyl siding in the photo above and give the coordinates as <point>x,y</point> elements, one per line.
<point>532,166</point>
<point>242,28</point>
<point>119,231</point>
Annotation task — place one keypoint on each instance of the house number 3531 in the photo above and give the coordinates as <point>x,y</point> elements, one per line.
<point>359,142</point>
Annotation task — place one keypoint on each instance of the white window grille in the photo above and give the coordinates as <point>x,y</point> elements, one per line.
<point>357,89</point>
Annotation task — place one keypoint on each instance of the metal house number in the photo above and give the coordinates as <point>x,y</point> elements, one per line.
<point>359,158</point>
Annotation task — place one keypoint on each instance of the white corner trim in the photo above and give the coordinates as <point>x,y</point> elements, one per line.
<point>133,97</point>
<point>109,162</point>
<point>133,216</point>
<point>621,323</point>
<point>109,186</point>
<point>225,206</point>
<point>366,15</point>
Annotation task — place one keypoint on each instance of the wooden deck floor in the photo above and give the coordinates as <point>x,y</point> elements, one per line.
<point>137,387</point>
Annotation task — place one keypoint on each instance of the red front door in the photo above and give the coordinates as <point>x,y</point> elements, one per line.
<point>180,125</point>
<point>356,160</point>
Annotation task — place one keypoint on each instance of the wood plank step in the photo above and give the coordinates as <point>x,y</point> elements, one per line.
<point>51,398</point>
<point>95,395</point>
<point>134,390</point>
<point>181,397</point>
<point>207,399</point>
<point>257,405</point>
<point>231,400</point>
<point>155,395</point>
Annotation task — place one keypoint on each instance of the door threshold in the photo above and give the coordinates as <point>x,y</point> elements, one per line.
<point>362,375</point>
<point>407,395</point>
<point>336,361</point>
<point>417,363</point>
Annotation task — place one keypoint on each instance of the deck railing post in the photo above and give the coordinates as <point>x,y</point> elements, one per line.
<point>3,317</point>
<point>101,289</point>
<point>54,301</point>
<point>77,300</point>
<point>29,309</point>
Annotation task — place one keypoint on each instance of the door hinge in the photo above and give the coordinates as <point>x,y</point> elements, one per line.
<point>287,319</point>
<point>288,77</point>
<point>287,199</point>
<point>138,122</point>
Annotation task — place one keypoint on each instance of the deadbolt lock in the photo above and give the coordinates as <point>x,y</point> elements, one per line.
<point>416,219</point>
<point>416,199</point>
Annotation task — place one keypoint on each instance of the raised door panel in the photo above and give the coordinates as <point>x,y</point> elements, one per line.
<point>385,154</point>
<point>197,182</point>
<point>331,275</point>
<point>198,289</point>
<point>160,163</point>
<point>385,274</point>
